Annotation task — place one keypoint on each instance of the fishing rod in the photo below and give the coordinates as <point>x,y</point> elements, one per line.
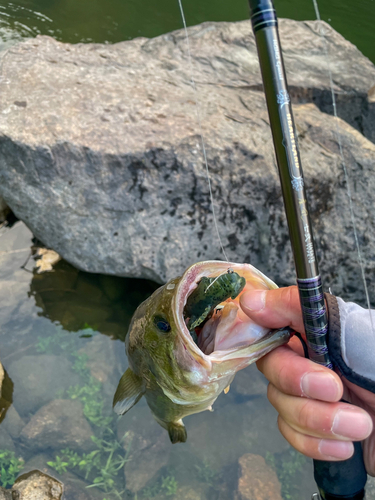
<point>336,480</point>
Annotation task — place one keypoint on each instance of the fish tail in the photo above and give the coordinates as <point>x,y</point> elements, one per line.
<point>177,432</point>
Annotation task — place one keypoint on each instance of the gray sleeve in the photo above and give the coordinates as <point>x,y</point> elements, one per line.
<point>351,341</point>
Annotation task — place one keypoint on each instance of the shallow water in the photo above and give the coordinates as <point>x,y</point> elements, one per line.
<point>116,20</point>
<point>61,344</point>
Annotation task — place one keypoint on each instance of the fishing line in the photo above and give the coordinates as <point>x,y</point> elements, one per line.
<point>346,175</point>
<point>197,107</point>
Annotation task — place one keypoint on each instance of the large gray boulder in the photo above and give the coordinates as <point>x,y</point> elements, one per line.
<point>101,156</point>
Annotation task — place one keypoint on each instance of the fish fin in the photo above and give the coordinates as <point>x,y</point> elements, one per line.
<point>129,391</point>
<point>226,390</point>
<point>177,432</point>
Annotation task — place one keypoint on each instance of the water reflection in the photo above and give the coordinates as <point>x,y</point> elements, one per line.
<point>78,300</point>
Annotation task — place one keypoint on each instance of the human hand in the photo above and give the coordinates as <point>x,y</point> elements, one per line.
<point>305,394</point>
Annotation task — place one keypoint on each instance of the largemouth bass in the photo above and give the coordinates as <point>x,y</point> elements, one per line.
<point>180,373</point>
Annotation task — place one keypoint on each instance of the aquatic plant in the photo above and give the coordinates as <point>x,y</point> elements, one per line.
<point>166,486</point>
<point>10,466</point>
<point>206,473</point>
<point>287,467</point>
<point>100,467</point>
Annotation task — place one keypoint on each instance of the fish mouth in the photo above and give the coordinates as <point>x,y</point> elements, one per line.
<point>229,334</point>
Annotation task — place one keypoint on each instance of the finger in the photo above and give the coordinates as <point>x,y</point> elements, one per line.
<point>320,449</point>
<point>340,421</point>
<point>274,308</point>
<point>297,376</point>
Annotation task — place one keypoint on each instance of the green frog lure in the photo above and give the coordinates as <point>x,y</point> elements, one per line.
<point>209,293</point>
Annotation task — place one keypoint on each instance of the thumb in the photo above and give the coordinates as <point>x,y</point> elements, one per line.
<point>274,308</point>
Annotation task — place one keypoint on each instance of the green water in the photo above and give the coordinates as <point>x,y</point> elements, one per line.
<point>115,20</point>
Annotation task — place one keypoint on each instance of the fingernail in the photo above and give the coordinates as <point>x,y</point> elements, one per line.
<point>320,385</point>
<point>254,300</point>
<point>336,449</point>
<point>352,424</point>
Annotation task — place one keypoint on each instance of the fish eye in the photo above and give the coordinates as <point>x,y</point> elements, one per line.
<point>162,324</point>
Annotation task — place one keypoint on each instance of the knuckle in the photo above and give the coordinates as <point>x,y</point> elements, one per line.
<point>305,414</point>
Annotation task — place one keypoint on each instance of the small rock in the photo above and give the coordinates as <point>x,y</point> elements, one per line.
<point>13,423</point>
<point>38,378</point>
<point>47,259</point>
<point>59,424</point>
<point>257,481</point>
<point>250,382</point>
<point>35,485</point>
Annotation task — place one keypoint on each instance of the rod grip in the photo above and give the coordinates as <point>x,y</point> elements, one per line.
<point>342,480</point>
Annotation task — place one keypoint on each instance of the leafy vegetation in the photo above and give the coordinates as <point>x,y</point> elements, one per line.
<point>287,467</point>
<point>165,486</point>
<point>206,473</point>
<point>10,466</point>
<point>100,467</point>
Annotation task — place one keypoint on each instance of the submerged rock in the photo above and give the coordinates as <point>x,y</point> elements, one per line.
<point>36,485</point>
<point>37,380</point>
<point>123,172</point>
<point>257,481</point>
<point>147,445</point>
<point>59,424</point>
<point>13,423</point>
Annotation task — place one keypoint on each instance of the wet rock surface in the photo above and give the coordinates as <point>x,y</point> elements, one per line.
<point>257,481</point>
<point>59,424</point>
<point>36,485</point>
<point>123,172</point>
<point>38,379</point>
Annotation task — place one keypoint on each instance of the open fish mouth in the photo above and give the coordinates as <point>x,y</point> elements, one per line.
<point>227,333</point>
